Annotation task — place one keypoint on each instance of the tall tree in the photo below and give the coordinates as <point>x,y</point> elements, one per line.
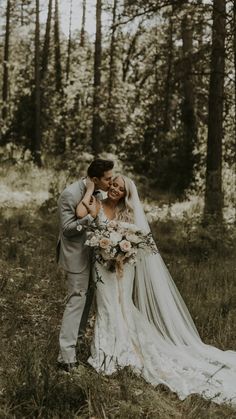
<point>82,33</point>
<point>167,94</point>
<point>112,67</point>
<point>22,13</point>
<point>96,123</point>
<point>213,194</point>
<point>36,140</point>
<point>188,103</point>
<point>58,68</point>
<point>60,129</point>
<point>5,85</point>
<point>46,45</point>
<point>111,123</point>
<point>69,45</point>
<point>234,49</point>
<point>131,50</point>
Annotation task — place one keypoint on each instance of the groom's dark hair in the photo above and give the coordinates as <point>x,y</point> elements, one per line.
<point>98,167</point>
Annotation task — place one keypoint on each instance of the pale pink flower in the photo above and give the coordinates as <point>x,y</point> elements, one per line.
<point>104,243</point>
<point>125,245</point>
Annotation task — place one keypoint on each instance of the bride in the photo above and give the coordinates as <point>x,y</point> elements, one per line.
<point>142,321</point>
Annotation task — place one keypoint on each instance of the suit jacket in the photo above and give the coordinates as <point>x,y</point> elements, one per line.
<point>72,254</point>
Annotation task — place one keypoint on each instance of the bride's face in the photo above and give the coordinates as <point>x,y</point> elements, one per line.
<point>117,189</point>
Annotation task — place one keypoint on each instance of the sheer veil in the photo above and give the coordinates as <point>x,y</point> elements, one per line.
<point>158,299</point>
<point>155,293</point>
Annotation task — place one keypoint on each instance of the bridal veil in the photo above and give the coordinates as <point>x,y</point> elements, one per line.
<point>158,299</point>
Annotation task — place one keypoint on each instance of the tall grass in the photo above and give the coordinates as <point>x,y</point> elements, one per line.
<point>32,302</point>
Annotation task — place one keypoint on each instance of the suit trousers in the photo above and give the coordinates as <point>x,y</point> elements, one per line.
<point>76,301</point>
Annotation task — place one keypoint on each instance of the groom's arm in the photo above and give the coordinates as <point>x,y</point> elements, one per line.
<point>70,225</point>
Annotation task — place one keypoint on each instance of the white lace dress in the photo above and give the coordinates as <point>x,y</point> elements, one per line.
<point>124,337</point>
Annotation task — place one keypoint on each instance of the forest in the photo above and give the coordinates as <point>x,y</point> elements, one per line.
<point>155,87</point>
<point>152,85</point>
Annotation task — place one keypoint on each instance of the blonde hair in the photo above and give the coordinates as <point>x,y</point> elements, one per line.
<point>124,209</point>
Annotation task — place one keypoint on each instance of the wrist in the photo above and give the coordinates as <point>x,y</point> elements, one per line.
<point>91,217</point>
<point>94,215</point>
<point>89,193</point>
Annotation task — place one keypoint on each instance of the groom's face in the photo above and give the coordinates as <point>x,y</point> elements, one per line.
<point>103,182</point>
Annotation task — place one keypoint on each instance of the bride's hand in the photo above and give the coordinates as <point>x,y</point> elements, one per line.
<point>92,207</point>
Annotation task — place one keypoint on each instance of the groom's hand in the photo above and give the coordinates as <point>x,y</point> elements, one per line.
<point>91,207</point>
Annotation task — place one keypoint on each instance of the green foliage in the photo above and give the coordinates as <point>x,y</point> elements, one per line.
<point>145,118</point>
<point>195,241</point>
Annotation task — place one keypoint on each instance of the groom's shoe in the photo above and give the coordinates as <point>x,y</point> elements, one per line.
<point>67,367</point>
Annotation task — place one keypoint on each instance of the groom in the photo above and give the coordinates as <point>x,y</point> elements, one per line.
<point>74,256</point>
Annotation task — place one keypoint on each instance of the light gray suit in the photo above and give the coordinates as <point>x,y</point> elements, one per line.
<point>74,257</point>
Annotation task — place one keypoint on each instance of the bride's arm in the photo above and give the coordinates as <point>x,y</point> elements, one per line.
<point>92,207</point>
<point>81,209</point>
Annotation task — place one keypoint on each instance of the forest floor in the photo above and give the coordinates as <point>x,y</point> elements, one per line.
<point>32,302</point>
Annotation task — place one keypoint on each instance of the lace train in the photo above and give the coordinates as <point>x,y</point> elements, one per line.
<point>123,337</point>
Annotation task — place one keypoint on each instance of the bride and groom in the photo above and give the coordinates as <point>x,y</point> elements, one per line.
<point>141,319</point>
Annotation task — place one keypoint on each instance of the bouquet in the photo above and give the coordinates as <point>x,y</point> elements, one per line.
<point>117,243</point>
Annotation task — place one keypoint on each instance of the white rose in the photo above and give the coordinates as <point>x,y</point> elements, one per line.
<point>93,241</point>
<point>133,238</point>
<point>115,237</point>
<point>131,227</point>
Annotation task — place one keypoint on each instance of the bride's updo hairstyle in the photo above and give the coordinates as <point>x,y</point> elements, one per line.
<point>124,210</point>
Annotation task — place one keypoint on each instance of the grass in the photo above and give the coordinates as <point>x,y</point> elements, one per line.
<point>32,301</point>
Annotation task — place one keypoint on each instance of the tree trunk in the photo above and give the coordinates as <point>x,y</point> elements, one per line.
<point>82,33</point>
<point>213,194</point>
<point>46,46</point>
<point>112,68</point>
<point>5,86</point>
<point>36,146</point>
<point>69,46</point>
<point>166,119</point>
<point>188,104</point>
<point>234,47</point>
<point>97,123</point>
<point>58,69</point>
<point>111,127</point>
<point>22,13</point>
<point>60,132</point>
<point>132,46</point>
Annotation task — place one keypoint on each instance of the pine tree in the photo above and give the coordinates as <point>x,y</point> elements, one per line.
<point>213,194</point>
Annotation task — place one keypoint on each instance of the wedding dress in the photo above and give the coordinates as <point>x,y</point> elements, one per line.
<point>155,336</point>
